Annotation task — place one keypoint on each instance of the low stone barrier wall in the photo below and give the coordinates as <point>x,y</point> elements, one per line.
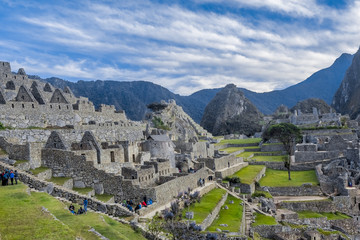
<point>280,166</point>
<point>56,191</point>
<point>295,191</point>
<point>211,217</point>
<point>269,231</point>
<point>250,188</point>
<point>229,171</point>
<point>315,206</point>
<point>272,147</point>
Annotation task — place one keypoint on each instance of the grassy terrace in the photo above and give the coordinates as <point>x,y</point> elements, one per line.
<point>248,173</point>
<point>329,216</point>
<point>59,180</point>
<point>268,158</point>
<point>261,219</point>
<point>23,217</point>
<point>84,191</point>
<point>277,178</point>
<point>239,141</point>
<point>18,162</point>
<point>38,170</point>
<point>232,216</point>
<point>208,202</point>
<point>103,197</point>
<point>235,149</point>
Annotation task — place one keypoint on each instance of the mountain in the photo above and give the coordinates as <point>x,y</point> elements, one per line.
<point>231,112</point>
<point>307,106</point>
<point>346,98</point>
<point>134,96</point>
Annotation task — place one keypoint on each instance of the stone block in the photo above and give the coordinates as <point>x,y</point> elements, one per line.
<point>99,188</point>
<point>79,184</point>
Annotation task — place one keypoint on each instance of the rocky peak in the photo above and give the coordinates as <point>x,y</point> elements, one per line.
<point>346,99</point>
<point>230,112</point>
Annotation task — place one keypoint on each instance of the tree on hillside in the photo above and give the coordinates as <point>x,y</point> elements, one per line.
<point>288,134</point>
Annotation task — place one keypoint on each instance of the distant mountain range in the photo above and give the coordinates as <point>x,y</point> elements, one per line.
<point>134,96</point>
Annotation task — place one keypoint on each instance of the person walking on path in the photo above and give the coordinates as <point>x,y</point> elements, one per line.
<point>85,205</point>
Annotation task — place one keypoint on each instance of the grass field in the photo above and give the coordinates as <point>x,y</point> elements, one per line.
<point>103,197</point>
<point>59,180</point>
<point>277,178</point>
<point>261,219</point>
<point>22,217</point>
<point>38,170</point>
<point>329,216</point>
<point>268,158</point>
<point>208,202</point>
<point>239,141</point>
<point>232,216</point>
<point>84,191</point>
<point>248,173</point>
<point>18,162</point>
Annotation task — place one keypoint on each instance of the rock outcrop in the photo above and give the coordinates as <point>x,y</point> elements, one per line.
<point>346,99</point>
<point>231,112</point>
<point>308,105</point>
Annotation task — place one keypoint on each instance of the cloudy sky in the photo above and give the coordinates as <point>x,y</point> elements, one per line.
<point>182,45</point>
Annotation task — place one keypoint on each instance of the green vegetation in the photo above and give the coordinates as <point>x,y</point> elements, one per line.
<point>239,141</point>
<point>18,162</point>
<point>2,152</point>
<point>329,216</point>
<point>38,170</point>
<point>245,154</point>
<point>84,191</point>
<point>208,202</point>
<point>232,216</point>
<point>59,180</point>
<point>261,219</point>
<point>32,216</point>
<point>248,173</point>
<point>259,158</point>
<point>103,197</point>
<point>2,127</point>
<point>158,123</point>
<point>259,193</point>
<point>278,178</point>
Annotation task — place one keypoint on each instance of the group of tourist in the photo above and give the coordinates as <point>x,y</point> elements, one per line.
<point>129,204</point>
<point>80,210</point>
<point>9,174</point>
<point>201,182</point>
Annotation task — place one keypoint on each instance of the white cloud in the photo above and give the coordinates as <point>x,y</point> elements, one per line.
<point>187,50</point>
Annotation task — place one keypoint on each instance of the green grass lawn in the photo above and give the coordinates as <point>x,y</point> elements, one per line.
<point>103,197</point>
<point>328,215</point>
<point>22,217</point>
<point>38,170</point>
<point>232,216</point>
<point>259,193</point>
<point>18,162</point>
<point>268,158</point>
<point>208,202</point>
<point>239,141</point>
<point>261,219</point>
<point>2,152</point>
<point>248,173</point>
<point>277,178</point>
<point>245,154</point>
<point>84,191</point>
<point>59,180</point>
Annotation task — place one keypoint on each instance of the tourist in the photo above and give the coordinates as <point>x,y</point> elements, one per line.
<point>85,205</point>
<point>12,177</point>
<point>72,209</point>
<point>16,175</point>
<point>80,211</point>
<point>144,204</point>
<point>6,178</point>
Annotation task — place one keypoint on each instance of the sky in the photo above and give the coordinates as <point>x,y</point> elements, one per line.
<point>183,45</point>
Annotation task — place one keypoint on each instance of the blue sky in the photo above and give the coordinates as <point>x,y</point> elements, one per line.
<point>182,45</point>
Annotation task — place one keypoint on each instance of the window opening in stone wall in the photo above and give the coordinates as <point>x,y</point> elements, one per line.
<point>32,105</point>
<point>23,106</point>
<point>133,156</point>
<point>59,107</point>
<point>112,156</point>
<point>67,107</point>
<point>23,97</point>
<point>6,75</point>
<point>23,78</point>
<point>15,77</point>
<point>50,106</point>
<point>12,105</point>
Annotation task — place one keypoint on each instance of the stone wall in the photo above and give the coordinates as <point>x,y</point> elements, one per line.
<point>315,206</point>
<point>15,151</point>
<point>56,191</point>
<point>272,148</point>
<point>219,163</point>
<point>269,231</point>
<point>213,214</point>
<point>295,191</point>
<point>229,171</point>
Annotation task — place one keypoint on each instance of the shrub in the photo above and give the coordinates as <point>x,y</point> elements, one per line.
<point>234,180</point>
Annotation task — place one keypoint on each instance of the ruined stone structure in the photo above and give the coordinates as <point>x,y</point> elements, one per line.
<point>316,117</point>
